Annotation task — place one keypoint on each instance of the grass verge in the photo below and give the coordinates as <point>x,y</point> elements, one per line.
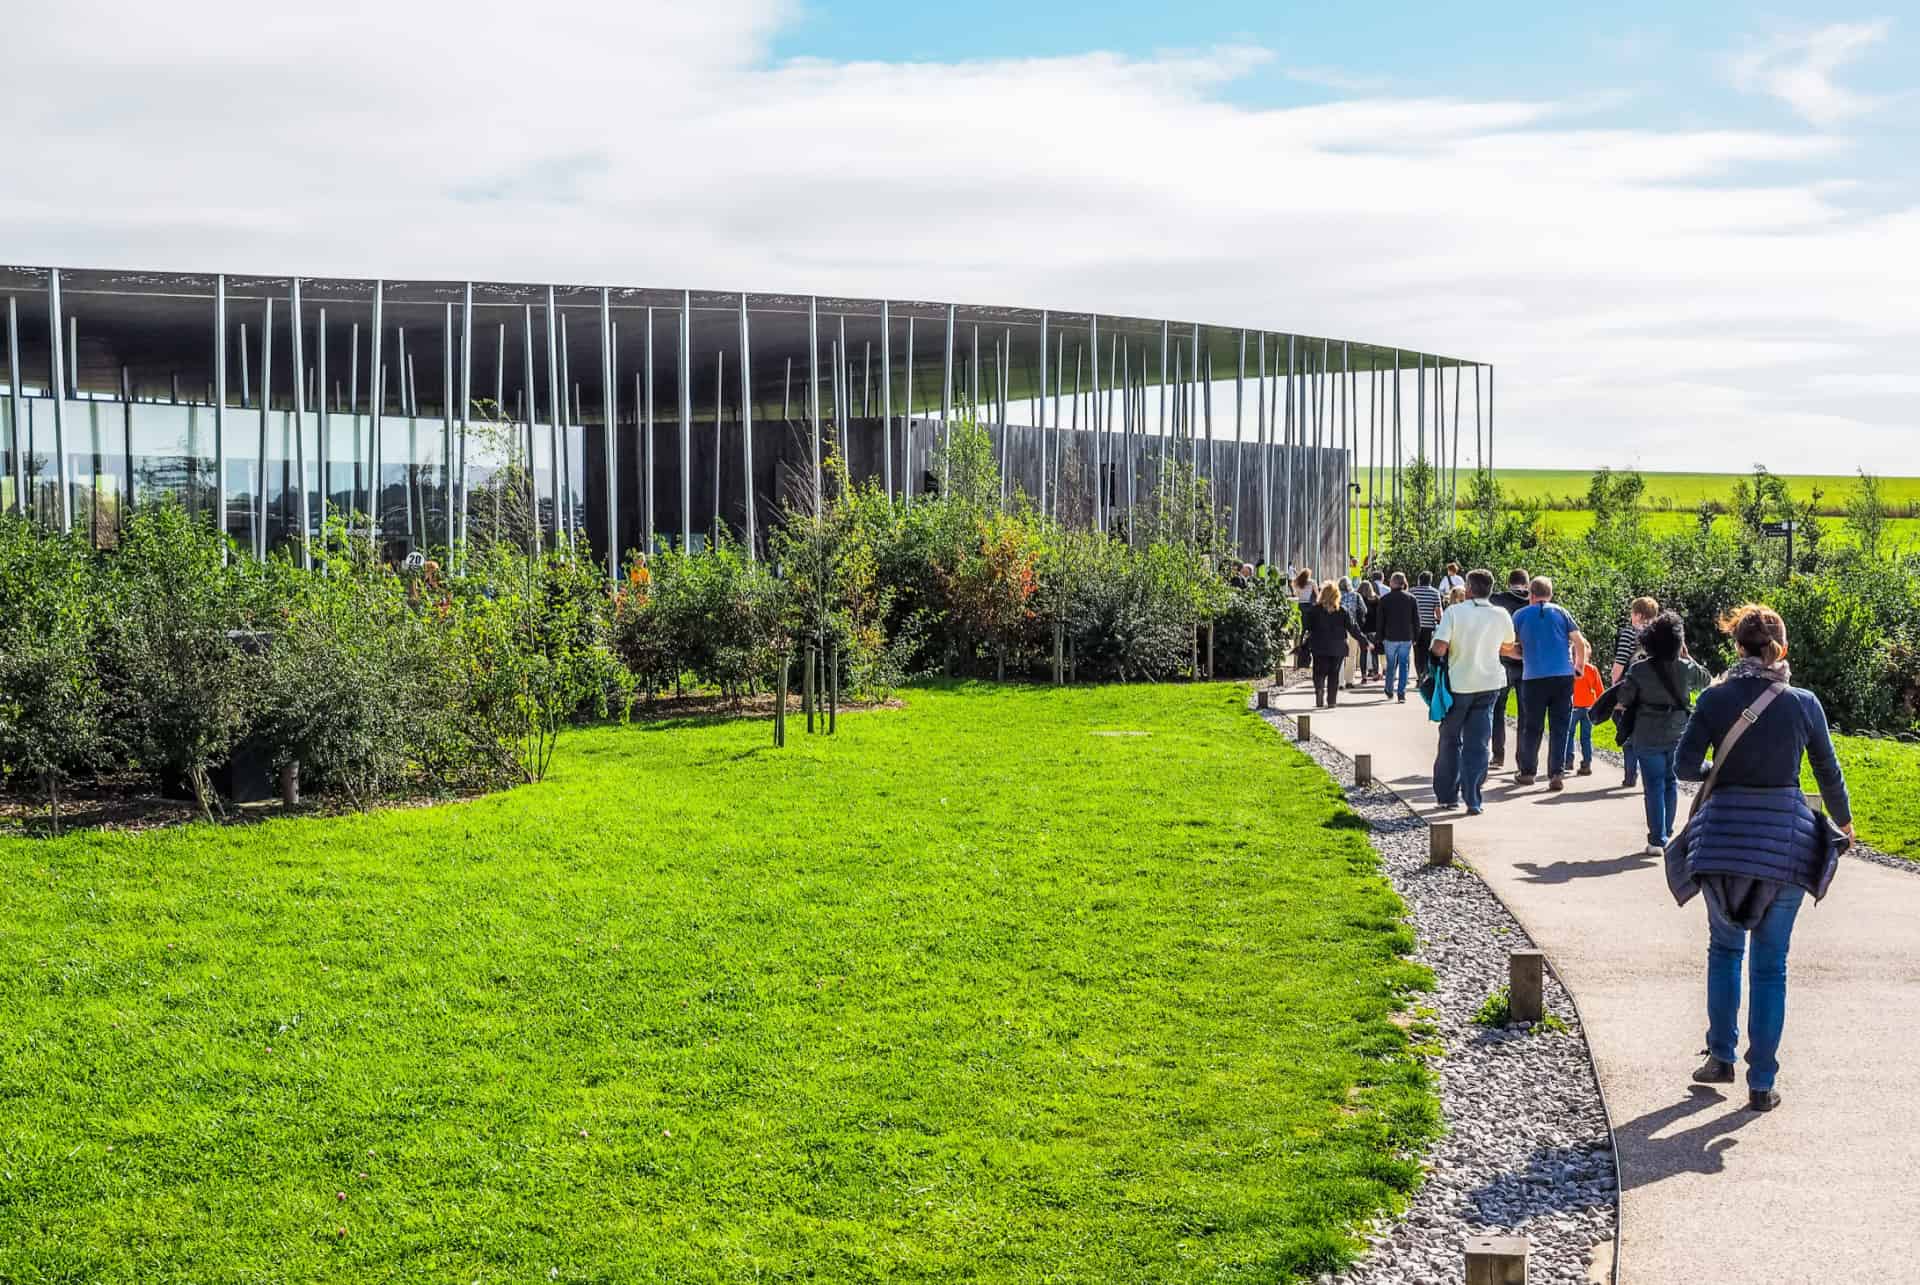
<point>1011,984</point>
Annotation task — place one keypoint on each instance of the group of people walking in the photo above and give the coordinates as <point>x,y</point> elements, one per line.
<point>1752,847</point>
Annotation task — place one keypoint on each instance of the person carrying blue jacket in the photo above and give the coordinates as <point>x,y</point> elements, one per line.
<point>1754,849</point>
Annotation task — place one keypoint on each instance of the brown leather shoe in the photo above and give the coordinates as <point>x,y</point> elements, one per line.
<point>1713,1071</point>
<point>1556,783</point>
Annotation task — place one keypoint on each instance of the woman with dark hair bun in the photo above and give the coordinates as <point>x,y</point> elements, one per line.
<point>1658,698</point>
<point>1753,847</point>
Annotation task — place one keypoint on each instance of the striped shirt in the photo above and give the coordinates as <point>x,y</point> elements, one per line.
<point>1429,599</point>
<point>1626,644</point>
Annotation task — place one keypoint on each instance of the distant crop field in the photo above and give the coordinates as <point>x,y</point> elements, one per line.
<point>1689,490</point>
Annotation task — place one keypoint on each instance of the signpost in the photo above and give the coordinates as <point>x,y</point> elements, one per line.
<point>1775,530</point>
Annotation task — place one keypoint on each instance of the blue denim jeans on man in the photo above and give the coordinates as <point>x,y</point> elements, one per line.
<point>1546,704</point>
<point>1660,788</point>
<point>1399,660</point>
<point>1460,768</point>
<point>1766,951</point>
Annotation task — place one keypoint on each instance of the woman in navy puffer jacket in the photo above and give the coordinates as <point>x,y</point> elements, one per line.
<point>1756,849</point>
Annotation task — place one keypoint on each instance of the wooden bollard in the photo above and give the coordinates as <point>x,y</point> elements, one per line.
<point>1363,769</point>
<point>1497,1260</point>
<point>1440,843</point>
<point>1263,699</point>
<point>1303,727</point>
<point>1526,986</point>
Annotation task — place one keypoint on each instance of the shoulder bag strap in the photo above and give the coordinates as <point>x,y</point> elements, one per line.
<point>1748,717</point>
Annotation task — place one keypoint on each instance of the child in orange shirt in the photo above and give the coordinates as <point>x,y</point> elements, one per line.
<point>1586,690</point>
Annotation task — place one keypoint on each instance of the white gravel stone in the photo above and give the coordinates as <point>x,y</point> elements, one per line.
<point>1527,1149</point>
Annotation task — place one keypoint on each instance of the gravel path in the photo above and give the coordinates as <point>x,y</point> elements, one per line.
<point>1528,1151</point>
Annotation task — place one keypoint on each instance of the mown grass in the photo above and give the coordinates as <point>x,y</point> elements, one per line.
<point>1687,491</point>
<point>973,991</point>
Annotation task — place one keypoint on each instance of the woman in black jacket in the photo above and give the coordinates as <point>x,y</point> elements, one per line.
<point>1370,626</point>
<point>1327,626</point>
<point>1755,849</point>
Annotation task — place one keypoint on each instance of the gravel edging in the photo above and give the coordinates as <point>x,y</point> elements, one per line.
<point>1528,1147</point>
<point>1863,851</point>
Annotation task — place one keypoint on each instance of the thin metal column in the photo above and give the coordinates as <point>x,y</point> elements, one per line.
<point>57,385</point>
<point>1239,439</point>
<point>266,400</point>
<point>646,445</point>
<point>375,372</point>
<point>556,398</point>
<point>1286,462</point>
<point>746,422</point>
<point>466,412</point>
<point>1393,529</point>
<point>530,404</point>
<point>446,433</point>
<point>813,393</point>
<point>300,427</point>
<point>1040,412</point>
<point>609,403</point>
<point>19,453</point>
<point>1099,478</point>
<point>1126,434</point>
<point>946,407</point>
<point>886,399</point>
<point>1059,425</point>
<point>321,456</point>
<point>686,422</point>
<point>219,404</point>
<point>719,404</point>
<point>569,413</point>
<point>906,427</point>
<point>1260,432</point>
<point>842,400</point>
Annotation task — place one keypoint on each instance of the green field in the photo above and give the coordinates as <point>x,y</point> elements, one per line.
<point>1010,984</point>
<point>1687,491</point>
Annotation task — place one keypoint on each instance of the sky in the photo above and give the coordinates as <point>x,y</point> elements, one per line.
<point>1687,240</point>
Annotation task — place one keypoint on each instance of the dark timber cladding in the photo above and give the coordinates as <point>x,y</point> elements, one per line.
<point>654,417</point>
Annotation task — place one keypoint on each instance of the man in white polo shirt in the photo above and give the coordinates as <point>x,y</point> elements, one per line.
<point>1469,637</point>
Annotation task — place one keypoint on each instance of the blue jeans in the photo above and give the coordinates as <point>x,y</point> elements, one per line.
<point>1545,706</point>
<point>1399,660</point>
<point>1660,788</point>
<point>1460,768</point>
<point>1581,722</point>
<point>1767,979</point>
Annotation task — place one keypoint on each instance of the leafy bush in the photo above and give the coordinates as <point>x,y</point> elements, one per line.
<point>52,703</point>
<point>1838,649</point>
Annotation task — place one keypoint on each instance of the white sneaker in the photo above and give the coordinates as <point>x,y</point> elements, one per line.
<point>1655,850</point>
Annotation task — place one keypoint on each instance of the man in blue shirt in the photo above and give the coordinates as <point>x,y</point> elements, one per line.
<point>1551,650</point>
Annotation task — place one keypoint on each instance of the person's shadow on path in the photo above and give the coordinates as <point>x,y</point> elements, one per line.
<point>1646,1159</point>
<point>1568,871</point>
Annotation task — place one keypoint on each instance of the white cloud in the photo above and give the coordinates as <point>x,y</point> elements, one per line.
<point>1334,78</point>
<point>1799,69</point>
<point>1644,297</point>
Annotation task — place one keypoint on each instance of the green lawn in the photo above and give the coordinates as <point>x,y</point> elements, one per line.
<point>1883,780</point>
<point>1012,984</point>
<point>1687,491</point>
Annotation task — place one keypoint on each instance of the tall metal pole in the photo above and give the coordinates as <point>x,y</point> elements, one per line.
<point>609,405</point>
<point>1286,463</point>
<point>686,423</point>
<point>374,392</point>
<point>842,399</point>
<point>1398,450</point>
<point>1058,458</point>
<point>322,456</point>
<point>1099,480</point>
<point>906,427</point>
<point>466,411</point>
<point>813,393</point>
<point>1346,450</point>
<point>556,399</point>
<point>946,408</point>
<point>530,404</point>
<point>300,427</point>
<point>219,405</point>
<point>1040,412</point>
<point>266,400</point>
<point>1489,418</point>
<point>648,526</point>
<point>746,425</point>
<point>886,400</point>
<point>57,385</point>
<point>447,498</point>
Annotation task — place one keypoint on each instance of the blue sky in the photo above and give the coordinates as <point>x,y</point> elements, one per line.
<point>1689,237</point>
